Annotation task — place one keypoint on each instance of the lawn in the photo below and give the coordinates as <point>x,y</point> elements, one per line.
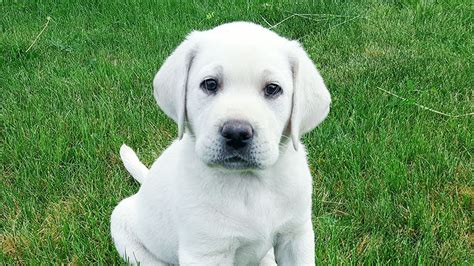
<point>393,179</point>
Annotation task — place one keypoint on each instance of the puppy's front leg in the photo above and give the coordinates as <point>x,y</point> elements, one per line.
<point>296,247</point>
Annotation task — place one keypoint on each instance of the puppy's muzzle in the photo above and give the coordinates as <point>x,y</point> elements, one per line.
<point>237,134</point>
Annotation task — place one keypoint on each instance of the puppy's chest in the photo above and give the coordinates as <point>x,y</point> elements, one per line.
<point>252,213</point>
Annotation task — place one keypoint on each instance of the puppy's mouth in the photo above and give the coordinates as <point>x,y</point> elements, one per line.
<point>237,162</point>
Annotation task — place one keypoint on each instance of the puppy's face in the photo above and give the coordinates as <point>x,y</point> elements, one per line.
<point>242,90</point>
<point>239,102</point>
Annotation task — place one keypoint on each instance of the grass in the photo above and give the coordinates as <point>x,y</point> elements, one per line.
<point>393,181</point>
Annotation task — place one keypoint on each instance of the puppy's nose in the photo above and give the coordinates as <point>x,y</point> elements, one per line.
<point>237,134</point>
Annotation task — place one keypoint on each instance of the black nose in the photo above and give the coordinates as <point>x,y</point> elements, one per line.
<point>237,134</point>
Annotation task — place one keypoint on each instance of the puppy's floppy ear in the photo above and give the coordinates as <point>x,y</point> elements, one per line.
<point>169,84</point>
<point>311,99</point>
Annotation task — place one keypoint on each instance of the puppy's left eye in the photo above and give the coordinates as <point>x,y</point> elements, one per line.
<point>272,90</point>
<point>210,85</point>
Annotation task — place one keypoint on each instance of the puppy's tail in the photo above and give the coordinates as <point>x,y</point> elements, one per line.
<point>133,165</point>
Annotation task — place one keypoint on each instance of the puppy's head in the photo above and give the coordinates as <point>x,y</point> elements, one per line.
<point>242,91</point>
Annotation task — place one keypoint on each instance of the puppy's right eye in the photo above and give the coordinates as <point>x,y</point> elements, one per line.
<point>209,86</point>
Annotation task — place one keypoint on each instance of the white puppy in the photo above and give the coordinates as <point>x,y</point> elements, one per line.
<point>233,189</point>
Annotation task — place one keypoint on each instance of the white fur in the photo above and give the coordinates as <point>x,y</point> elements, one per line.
<point>133,165</point>
<point>192,210</point>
